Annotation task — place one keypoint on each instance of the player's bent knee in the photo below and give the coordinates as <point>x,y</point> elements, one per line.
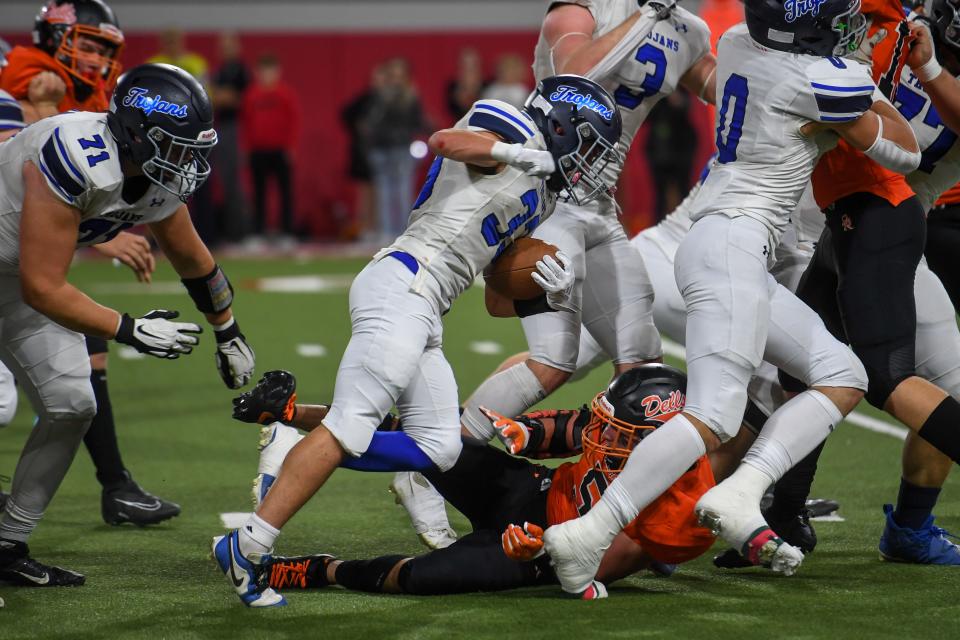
<point>886,367</point>
<point>442,446</point>
<point>71,399</point>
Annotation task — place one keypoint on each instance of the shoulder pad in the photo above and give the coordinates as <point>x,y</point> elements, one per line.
<point>11,114</point>
<point>79,155</point>
<point>503,119</point>
<point>842,89</point>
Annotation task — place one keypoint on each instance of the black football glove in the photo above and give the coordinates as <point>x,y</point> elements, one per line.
<point>235,358</point>
<point>272,400</point>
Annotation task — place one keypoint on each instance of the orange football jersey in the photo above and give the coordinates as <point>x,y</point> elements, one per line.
<point>24,63</point>
<point>844,171</point>
<point>667,529</point>
<point>950,196</point>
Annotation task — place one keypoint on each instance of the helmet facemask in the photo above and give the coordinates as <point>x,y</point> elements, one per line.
<point>607,441</point>
<point>850,27</point>
<point>944,21</point>
<point>179,165</point>
<point>581,170</point>
<point>74,52</point>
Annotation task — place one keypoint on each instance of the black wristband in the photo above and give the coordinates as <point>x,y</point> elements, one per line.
<point>211,293</point>
<point>532,307</point>
<point>125,330</point>
<point>231,332</point>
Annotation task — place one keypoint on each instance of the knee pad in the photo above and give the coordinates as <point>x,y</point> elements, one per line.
<point>887,365</point>
<point>72,399</point>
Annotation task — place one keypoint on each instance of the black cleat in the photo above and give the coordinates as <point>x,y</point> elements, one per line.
<point>302,572</point>
<point>795,530</point>
<point>128,502</point>
<point>17,567</point>
<point>819,507</point>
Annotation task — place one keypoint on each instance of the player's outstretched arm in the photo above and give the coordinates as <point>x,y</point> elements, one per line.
<point>48,238</point>
<point>884,136</point>
<point>943,88</point>
<point>210,290</point>
<point>484,149</point>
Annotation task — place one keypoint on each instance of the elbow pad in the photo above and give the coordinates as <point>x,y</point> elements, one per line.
<point>890,155</point>
<point>211,293</point>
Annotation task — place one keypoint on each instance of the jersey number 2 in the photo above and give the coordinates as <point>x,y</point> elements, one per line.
<point>94,143</point>
<point>735,92</point>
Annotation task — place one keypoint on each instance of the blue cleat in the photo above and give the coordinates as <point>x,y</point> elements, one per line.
<point>928,545</point>
<point>247,576</point>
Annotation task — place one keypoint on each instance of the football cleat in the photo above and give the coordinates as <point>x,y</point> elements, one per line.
<point>927,545</point>
<point>731,515</point>
<point>574,562</point>
<point>128,502</point>
<point>248,576</point>
<point>303,572</point>
<point>276,440</point>
<point>17,567</point>
<point>820,507</point>
<point>426,508</point>
<point>796,531</point>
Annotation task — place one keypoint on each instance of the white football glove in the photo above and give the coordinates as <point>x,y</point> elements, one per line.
<point>533,162</point>
<point>557,280</point>
<point>155,335</point>
<point>235,358</point>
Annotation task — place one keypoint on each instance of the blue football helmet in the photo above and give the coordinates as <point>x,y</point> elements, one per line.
<point>581,125</point>
<point>162,121</point>
<point>812,27</point>
<point>943,16</point>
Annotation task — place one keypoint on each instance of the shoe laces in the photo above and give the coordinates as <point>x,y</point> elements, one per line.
<point>289,573</point>
<point>943,533</point>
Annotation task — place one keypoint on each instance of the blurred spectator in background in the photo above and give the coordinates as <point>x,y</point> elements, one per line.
<point>270,115</point>
<point>466,88</point>
<point>671,146</point>
<point>510,85</point>
<point>229,84</point>
<point>354,116</point>
<point>394,120</point>
<point>173,50</point>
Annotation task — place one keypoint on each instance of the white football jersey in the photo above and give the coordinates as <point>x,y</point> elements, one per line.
<point>940,154</point>
<point>11,113</point>
<point>650,74</point>
<point>464,218</point>
<point>764,162</point>
<point>78,156</point>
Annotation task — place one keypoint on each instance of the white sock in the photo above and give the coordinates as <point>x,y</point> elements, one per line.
<point>257,537</point>
<point>792,432</point>
<point>655,464</point>
<point>510,393</point>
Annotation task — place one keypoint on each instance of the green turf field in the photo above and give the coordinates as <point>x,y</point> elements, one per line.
<point>178,439</point>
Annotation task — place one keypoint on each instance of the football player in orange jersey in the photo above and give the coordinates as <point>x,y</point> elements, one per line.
<point>510,500</point>
<point>861,282</point>
<point>73,63</point>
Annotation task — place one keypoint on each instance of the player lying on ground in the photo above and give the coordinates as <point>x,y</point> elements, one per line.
<point>497,175</point>
<point>509,500</point>
<point>78,179</point>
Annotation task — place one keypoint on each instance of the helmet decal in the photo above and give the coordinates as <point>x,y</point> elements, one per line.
<point>797,8</point>
<point>571,95</point>
<point>137,99</point>
<point>59,13</point>
<point>662,409</point>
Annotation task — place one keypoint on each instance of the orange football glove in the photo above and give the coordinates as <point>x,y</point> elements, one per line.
<point>514,436</point>
<point>522,544</point>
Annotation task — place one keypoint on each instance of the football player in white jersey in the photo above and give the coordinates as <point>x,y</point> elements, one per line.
<point>78,179</point>
<point>640,53</point>
<point>785,97</point>
<point>497,175</point>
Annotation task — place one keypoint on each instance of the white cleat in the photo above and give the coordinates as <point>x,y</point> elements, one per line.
<point>426,508</point>
<point>735,517</point>
<point>276,440</point>
<point>575,563</point>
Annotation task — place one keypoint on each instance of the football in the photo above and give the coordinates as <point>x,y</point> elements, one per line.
<point>509,275</point>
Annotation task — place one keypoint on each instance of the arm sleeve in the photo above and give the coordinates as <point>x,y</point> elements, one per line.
<point>835,90</point>
<point>555,433</point>
<point>505,120</point>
